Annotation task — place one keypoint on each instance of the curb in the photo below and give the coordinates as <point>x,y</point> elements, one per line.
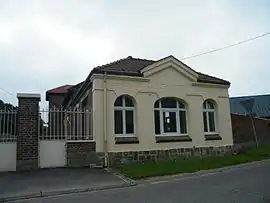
<point>121,176</point>
<point>201,172</point>
<point>42,194</point>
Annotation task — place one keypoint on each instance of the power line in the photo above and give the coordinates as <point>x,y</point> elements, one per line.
<point>10,93</point>
<point>226,47</point>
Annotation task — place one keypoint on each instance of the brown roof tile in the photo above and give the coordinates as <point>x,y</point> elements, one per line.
<point>132,66</point>
<point>59,90</point>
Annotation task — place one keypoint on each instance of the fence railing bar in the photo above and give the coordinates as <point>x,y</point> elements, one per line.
<point>69,124</point>
<point>62,133</point>
<point>4,124</point>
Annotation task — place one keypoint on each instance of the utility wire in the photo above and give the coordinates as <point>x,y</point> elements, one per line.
<point>226,47</point>
<point>204,53</point>
<point>6,91</point>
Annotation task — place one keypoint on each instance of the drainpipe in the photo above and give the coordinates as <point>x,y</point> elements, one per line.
<point>105,119</point>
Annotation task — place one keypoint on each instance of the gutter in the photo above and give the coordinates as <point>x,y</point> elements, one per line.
<point>105,119</point>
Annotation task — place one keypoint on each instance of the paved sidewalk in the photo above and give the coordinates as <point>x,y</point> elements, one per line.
<point>47,182</point>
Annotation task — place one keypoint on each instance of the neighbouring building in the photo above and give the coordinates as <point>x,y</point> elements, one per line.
<point>146,110</point>
<point>255,105</point>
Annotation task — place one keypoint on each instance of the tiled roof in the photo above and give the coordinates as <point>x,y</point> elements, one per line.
<point>59,90</point>
<point>257,105</point>
<point>128,64</point>
<point>132,66</point>
<point>71,92</point>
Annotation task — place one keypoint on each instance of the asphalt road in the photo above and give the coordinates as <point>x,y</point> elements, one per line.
<point>246,184</point>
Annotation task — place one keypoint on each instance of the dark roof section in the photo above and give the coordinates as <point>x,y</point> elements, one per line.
<point>256,105</point>
<point>128,65</point>
<point>131,67</point>
<point>211,79</point>
<point>71,93</point>
<point>58,90</point>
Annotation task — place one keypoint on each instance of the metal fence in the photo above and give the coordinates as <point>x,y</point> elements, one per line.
<point>8,124</point>
<point>65,124</point>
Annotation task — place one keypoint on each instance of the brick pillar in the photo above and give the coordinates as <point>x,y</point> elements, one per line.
<point>27,131</point>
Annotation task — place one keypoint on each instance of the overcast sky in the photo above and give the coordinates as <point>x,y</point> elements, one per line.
<point>44,44</point>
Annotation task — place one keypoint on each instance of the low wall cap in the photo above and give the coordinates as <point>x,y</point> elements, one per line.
<point>28,95</point>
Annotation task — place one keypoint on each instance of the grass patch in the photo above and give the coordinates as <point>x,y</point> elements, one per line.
<point>140,171</point>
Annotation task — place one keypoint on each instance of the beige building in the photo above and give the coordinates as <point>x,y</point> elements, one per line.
<point>153,109</point>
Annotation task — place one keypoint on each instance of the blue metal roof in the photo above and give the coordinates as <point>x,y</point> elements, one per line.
<point>257,105</point>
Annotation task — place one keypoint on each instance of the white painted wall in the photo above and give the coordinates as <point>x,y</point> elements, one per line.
<point>165,83</point>
<point>8,156</point>
<point>52,153</point>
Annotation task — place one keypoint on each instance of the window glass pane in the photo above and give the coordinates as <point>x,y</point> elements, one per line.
<point>118,102</point>
<point>181,105</point>
<point>118,122</point>
<point>129,122</point>
<point>205,121</point>
<point>183,122</point>
<point>209,105</point>
<point>169,122</point>
<point>129,101</point>
<point>204,105</point>
<point>157,104</point>
<point>157,123</point>
<point>211,121</point>
<point>168,103</point>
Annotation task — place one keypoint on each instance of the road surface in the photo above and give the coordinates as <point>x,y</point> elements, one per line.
<point>249,184</point>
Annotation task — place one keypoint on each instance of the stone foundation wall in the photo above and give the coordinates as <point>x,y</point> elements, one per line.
<point>81,154</point>
<point>117,158</point>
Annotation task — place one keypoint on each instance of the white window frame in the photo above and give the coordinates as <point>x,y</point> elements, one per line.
<point>124,109</point>
<point>176,111</point>
<point>207,111</point>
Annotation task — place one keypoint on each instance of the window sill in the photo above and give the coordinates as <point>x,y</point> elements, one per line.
<point>179,138</point>
<point>126,140</point>
<point>212,137</point>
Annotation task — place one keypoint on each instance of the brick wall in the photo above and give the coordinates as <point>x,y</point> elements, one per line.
<point>81,154</point>
<point>244,133</point>
<point>27,131</point>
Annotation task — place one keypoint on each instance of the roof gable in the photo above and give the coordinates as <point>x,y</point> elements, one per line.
<point>170,62</point>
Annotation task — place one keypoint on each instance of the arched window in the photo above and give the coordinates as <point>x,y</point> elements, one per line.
<point>209,117</point>
<point>124,116</point>
<point>170,117</point>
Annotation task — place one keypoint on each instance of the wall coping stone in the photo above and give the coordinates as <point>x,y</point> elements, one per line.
<point>28,95</point>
